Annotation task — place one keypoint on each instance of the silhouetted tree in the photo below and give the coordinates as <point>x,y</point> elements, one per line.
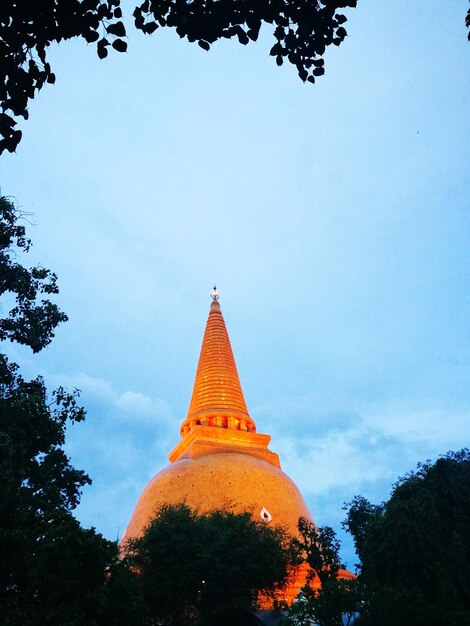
<point>27,29</point>
<point>31,321</point>
<point>200,568</point>
<point>327,599</point>
<point>415,548</point>
<point>52,571</point>
<point>303,30</point>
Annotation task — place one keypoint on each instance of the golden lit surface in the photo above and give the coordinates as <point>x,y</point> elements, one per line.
<point>221,461</point>
<point>239,482</point>
<point>217,398</point>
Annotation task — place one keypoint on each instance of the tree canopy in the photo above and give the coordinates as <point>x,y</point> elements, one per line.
<point>327,599</point>
<point>415,548</point>
<point>199,568</point>
<point>52,571</point>
<point>302,31</point>
<point>33,318</point>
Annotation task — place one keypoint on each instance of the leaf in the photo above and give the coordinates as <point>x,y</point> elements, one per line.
<point>120,45</point>
<point>91,36</point>
<point>101,48</point>
<point>243,37</point>
<point>7,120</point>
<point>204,44</point>
<point>116,29</point>
<point>253,33</point>
<point>149,28</point>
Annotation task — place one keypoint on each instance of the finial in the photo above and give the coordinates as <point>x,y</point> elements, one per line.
<point>214,294</point>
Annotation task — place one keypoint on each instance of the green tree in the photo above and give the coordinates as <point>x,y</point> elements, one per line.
<point>415,548</point>
<point>30,321</point>
<point>302,31</point>
<point>75,577</point>
<point>199,568</point>
<point>330,600</point>
<point>52,571</point>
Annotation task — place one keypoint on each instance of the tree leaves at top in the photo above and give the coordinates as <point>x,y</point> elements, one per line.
<point>303,28</point>
<point>30,322</point>
<point>26,31</point>
<point>303,31</point>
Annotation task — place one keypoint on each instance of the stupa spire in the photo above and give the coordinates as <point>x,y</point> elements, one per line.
<point>217,398</point>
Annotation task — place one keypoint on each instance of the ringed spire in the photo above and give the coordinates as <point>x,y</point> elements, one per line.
<point>217,398</point>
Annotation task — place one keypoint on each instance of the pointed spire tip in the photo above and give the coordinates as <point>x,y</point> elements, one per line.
<point>217,398</point>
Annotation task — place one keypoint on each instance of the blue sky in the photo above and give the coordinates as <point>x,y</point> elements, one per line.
<point>334,219</point>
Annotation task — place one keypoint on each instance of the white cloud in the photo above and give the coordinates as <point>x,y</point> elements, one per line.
<point>129,405</point>
<point>93,385</point>
<point>338,460</point>
<point>440,427</point>
<point>143,408</point>
<point>380,445</point>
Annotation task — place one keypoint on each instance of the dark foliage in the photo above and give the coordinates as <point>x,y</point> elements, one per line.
<point>52,571</point>
<point>320,549</point>
<point>199,569</point>
<point>303,30</point>
<point>361,515</point>
<point>330,600</point>
<point>27,29</point>
<point>38,485</point>
<point>30,321</point>
<point>75,578</point>
<point>415,548</point>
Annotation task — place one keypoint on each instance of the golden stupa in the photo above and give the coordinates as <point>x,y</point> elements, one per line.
<point>221,461</point>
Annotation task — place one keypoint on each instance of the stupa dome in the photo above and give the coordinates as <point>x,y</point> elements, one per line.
<point>237,482</point>
<point>221,461</point>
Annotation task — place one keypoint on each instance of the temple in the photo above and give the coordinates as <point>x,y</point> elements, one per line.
<point>221,461</point>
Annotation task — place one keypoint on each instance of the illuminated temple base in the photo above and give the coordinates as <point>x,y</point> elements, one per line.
<point>221,462</point>
<point>219,472</point>
<point>202,440</point>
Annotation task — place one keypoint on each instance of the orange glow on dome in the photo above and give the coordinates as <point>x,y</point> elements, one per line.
<point>221,461</point>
